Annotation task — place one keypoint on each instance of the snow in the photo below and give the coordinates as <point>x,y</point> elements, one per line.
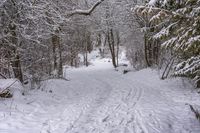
<point>98,99</point>
<point>164,32</point>
<point>191,41</point>
<point>170,42</point>
<point>152,2</point>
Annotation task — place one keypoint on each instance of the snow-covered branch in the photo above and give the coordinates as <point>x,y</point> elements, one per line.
<point>85,12</point>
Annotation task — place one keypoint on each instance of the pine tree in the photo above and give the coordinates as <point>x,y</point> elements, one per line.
<point>177,25</point>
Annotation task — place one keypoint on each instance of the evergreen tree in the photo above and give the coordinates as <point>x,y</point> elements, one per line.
<point>176,24</point>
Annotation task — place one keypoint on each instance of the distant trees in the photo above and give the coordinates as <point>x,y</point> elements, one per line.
<point>114,22</point>
<point>133,38</point>
<point>173,26</point>
<point>107,35</point>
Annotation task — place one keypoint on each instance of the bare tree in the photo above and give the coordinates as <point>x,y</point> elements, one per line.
<point>32,36</point>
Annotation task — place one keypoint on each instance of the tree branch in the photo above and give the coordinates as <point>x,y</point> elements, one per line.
<point>85,12</point>
<point>3,76</point>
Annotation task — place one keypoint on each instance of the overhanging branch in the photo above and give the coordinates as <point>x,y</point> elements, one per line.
<point>85,12</point>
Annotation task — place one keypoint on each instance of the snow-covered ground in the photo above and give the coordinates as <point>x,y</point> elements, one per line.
<point>99,99</point>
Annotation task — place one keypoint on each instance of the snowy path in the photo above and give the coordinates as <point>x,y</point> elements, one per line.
<point>101,100</point>
<point>112,106</point>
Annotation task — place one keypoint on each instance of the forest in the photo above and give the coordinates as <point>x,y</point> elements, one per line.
<point>146,53</point>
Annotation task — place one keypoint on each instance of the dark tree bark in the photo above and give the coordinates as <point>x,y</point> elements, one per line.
<point>15,57</point>
<point>146,50</point>
<point>111,44</point>
<point>57,53</point>
<point>118,42</point>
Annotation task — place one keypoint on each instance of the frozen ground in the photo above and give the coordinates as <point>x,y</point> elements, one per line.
<point>99,99</point>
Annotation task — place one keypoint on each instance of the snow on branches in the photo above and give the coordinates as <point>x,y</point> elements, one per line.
<point>177,27</point>
<point>33,35</point>
<point>85,12</point>
<point>189,68</point>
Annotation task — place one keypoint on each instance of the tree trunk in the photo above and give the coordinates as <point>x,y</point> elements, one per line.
<point>118,41</point>
<point>60,67</point>
<point>146,50</point>
<point>16,64</point>
<point>57,53</point>
<point>112,46</point>
<point>15,61</point>
<point>54,43</point>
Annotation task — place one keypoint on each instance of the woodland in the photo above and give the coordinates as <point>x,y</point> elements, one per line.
<point>99,66</point>
<point>38,37</point>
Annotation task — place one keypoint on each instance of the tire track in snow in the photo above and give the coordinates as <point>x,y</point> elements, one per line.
<point>101,96</point>
<point>154,123</point>
<point>115,96</point>
<point>58,120</point>
<point>134,99</point>
<point>138,117</point>
<point>131,99</point>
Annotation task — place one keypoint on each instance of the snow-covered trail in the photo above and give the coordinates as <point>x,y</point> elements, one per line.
<point>126,104</point>
<point>112,107</point>
<point>99,99</point>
